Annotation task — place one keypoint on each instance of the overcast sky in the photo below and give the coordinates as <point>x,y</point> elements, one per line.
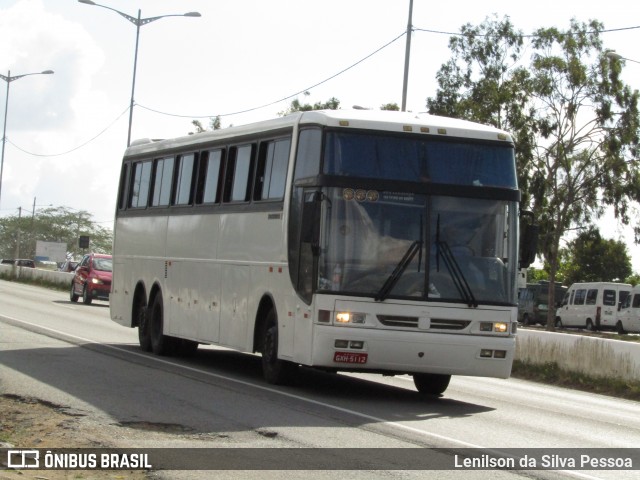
<point>66,132</point>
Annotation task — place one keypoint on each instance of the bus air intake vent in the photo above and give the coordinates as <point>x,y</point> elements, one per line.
<point>398,321</point>
<point>448,324</point>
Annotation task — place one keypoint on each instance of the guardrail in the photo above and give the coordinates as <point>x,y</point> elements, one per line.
<point>52,276</point>
<point>598,357</point>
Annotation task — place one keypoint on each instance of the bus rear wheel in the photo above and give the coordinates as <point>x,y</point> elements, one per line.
<point>275,370</point>
<point>160,344</point>
<point>144,334</point>
<point>620,328</point>
<point>431,383</point>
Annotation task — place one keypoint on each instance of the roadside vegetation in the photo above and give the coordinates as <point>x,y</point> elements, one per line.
<point>552,374</point>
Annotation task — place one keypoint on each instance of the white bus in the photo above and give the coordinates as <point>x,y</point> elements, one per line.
<point>361,241</point>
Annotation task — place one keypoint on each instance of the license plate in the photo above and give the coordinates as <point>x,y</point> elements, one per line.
<point>350,357</point>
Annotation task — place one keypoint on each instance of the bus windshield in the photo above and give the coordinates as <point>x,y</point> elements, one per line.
<point>385,244</point>
<point>415,244</point>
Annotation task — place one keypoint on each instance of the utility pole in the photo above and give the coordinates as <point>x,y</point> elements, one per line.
<point>17,255</point>
<point>407,54</point>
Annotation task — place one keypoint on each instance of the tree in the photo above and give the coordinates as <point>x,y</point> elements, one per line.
<point>575,123</point>
<point>390,106</point>
<point>296,106</point>
<point>595,259</point>
<point>214,124</point>
<point>19,234</point>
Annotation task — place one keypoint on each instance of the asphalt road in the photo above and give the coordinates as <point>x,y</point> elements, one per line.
<point>74,355</point>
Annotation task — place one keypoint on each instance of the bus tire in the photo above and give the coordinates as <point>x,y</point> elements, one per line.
<point>558,323</point>
<point>72,294</point>
<point>275,370</point>
<point>620,328</point>
<point>590,326</point>
<point>144,334</point>
<point>161,344</point>
<point>431,383</point>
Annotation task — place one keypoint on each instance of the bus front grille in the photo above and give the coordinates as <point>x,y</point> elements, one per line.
<point>413,322</point>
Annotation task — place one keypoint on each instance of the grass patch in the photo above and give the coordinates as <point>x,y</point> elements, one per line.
<point>550,373</point>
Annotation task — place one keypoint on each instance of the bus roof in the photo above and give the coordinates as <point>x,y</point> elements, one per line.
<point>384,120</point>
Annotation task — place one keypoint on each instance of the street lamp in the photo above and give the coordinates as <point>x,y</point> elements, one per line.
<point>10,79</point>
<point>138,22</point>
<point>616,56</point>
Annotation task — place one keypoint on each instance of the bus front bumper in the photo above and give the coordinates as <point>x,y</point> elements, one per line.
<point>399,352</point>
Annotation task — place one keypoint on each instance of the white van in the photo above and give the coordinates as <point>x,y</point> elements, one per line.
<point>629,314</point>
<point>593,306</point>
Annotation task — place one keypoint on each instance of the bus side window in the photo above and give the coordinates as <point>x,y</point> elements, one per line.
<point>122,194</point>
<point>271,173</point>
<point>237,182</point>
<point>209,178</point>
<point>184,179</point>
<point>162,181</point>
<point>139,190</point>
<point>308,155</point>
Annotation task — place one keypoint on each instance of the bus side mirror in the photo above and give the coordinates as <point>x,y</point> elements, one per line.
<point>310,230</point>
<point>528,241</point>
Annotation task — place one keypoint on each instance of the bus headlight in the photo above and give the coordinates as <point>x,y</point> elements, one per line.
<point>498,327</point>
<point>501,327</point>
<point>350,317</point>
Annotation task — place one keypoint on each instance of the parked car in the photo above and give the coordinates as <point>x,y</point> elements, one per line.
<point>629,314</point>
<point>21,262</point>
<point>593,306</point>
<point>92,279</point>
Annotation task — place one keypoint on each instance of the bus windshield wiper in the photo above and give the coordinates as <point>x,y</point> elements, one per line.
<point>455,271</point>
<point>459,280</point>
<point>398,271</point>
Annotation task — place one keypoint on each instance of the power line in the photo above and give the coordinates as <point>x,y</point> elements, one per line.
<point>288,96</point>
<point>73,149</point>
<point>533,35</point>
<point>284,98</point>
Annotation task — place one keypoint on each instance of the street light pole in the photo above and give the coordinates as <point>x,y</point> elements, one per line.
<point>8,78</point>
<point>407,54</point>
<point>138,22</point>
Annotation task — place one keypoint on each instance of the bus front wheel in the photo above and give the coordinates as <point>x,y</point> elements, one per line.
<point>431,383</point>
<point>275,370</point>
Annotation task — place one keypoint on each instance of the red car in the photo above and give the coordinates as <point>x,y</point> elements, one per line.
<point>92,278</point>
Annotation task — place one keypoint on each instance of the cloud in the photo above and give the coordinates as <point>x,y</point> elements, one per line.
<point>32,40</point>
